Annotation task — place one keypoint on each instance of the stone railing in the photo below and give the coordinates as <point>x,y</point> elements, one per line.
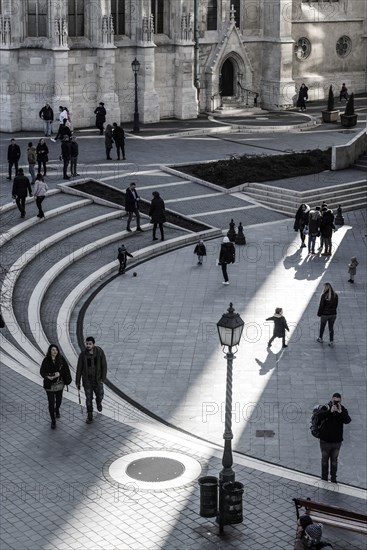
<point>345,155</point>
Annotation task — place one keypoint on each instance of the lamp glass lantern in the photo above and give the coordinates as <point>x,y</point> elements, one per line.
<point>230,328</point>
<point>135,65</point>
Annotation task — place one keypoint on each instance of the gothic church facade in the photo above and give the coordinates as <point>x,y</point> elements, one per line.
<point>191,54</point>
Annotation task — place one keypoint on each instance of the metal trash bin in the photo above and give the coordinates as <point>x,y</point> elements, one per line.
<point>208,496</point>
<point>232,502</point>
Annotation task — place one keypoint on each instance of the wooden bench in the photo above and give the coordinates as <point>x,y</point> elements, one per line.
<point>332,515</point>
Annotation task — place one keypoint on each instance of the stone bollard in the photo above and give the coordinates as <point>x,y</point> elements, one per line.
<point>232,232</point>
<point>240,237</point>
<point>339,218</point>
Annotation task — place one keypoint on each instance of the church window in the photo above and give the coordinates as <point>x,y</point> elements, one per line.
<point>302,48</point>
<point>118,14</point>
<point>76,17</point>
<point>37,18</point>
<point>344,46</point>
<point>237,7</point>
<point>158,16</point>
<point>211,21</point>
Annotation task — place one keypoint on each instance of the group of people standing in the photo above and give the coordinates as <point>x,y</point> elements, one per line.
<point>315,223</point>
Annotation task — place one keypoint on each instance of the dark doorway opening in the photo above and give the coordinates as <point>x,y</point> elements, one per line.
<point>227,78</point>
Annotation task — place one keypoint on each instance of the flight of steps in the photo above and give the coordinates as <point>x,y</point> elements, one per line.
<point>350,196</point>
<point>361,163</point>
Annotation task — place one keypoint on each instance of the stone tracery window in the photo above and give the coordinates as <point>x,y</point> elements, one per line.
<point>157,10</point>
<point>212,13</point>
<point>302,48</point>
<point>76,17</point>
<point>37,12</point>
<point>343,46</point>
<point>118,14</point>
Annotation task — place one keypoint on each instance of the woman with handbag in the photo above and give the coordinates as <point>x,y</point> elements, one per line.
<point>56,374</point>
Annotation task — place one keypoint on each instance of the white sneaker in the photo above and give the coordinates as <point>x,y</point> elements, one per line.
<point>320,340</point>
<point>54,140</point>
<point>225,283</point>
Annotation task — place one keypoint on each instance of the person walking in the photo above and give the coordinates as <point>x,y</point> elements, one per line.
<point>13,157</point>
<point>302,97</point>
<point>157,214</point>
<point>352,269</point>
<point>118,135</point>
<point>343,93</point>
<point>301,220</point>
<point>56,375</point>
<point>326,229</point>
<point>39,192</point>
<point>63,120</point>
<point>100,113</point>
<point>31,157</point>
<point>332,419</point>
<point>108,141</point>
<point>122,255</point>
<point>200,251</point>
<point>314,220</point>
<point>227,255</point>
<point>47,115</point>
<point>65,155</point>
<point>92,371</point>
<point>42,156</point>
<point>74,152</point>
<point>132,206</point>
<point>21,186</point>
<point>280,326</point>
<point>327,312</point>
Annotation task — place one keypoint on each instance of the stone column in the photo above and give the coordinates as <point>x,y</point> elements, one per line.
<point>277,84</point>
<point>149,108</point>
<point>185,101</point>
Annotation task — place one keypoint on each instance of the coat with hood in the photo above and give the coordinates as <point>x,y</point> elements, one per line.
<point>42,152</point>
<point>327,224</point>
<point>352,267</point>
<point>157,209</point>
<point>328,306</point>
<point>301,218</point>
<point>280,325</point>
<point>227,254</point>
<point>314,219</point>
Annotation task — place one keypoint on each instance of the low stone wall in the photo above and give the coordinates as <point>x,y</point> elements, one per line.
<point>343,156</point>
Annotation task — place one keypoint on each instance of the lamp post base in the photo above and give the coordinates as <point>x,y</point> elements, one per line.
<point>136,127</point>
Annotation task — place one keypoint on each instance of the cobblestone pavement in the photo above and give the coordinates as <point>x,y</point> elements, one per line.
<point>159,334</point>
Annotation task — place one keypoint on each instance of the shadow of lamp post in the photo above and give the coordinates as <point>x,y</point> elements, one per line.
<point>135,65</point>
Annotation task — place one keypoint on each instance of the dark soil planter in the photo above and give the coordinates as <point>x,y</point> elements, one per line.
<point>348,121</point>
<point>330,116</point>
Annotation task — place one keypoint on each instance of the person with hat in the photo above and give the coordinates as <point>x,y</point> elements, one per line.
<point>100,113</point>
<point>309,536</point>
<point>21,185</point>
<point>227,255</point>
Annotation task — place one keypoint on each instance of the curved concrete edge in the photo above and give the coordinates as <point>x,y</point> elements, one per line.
<point>23,226</point>
<point>66,309</point>
<point>13,206</point>
<point>69,190</point>
<point>35,301</point>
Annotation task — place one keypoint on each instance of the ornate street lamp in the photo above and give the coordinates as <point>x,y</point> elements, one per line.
<point>135,65</point>
<point>230,329</point>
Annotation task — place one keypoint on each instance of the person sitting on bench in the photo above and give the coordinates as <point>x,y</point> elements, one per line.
<point>308,535</point>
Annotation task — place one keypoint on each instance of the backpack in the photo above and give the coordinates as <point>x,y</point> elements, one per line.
<point>315,423</point>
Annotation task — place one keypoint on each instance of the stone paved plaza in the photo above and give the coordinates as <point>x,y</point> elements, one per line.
<point>166,377</point>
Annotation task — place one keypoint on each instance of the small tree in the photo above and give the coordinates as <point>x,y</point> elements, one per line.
<point>349,109</point>
<point>330,101</point>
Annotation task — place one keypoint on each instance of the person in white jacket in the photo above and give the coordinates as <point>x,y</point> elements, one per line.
<point>39,192</point>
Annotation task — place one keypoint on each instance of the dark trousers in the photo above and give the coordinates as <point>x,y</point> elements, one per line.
<point>89,389</point>
<point>155,225</point>
<point>39,201</point>
<point>43,163</point>
<point>311,243</point>
<point>224,271</point>
<point>329,453</point>
<point>21,204</point>
<point>327,244</point>
<point>122,265</point>
<point>65,167</point>
<point>11,164</point>
<point>73,165</point>
<point>54,402</point>
<point>100,128</point>
<point>302,235</point>
<point>108,153</point>
<point>120,147</point>
<point>130,217</point>
<point>330,319</point>
<point>273,338</point>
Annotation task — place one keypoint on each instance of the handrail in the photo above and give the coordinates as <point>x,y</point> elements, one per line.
<point>248,92</point>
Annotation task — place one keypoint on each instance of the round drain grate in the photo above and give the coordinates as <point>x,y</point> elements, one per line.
<point>155,469</point>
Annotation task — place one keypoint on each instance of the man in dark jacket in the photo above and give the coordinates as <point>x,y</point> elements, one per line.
<point>100,113</point>
<point>118,136</point>
<point>157,214</point>
<point>227,255</point>
<point>332,418</point>
<point>132,206</point>
<point>92,370</point>
<point>47,115</point>
<point>21,186</point>
<point>13,157</point>
<point>326,229</point>
<point>65,155</point>
<point>74,153</point>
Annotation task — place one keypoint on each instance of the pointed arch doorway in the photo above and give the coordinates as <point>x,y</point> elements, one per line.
<point>227,78</point>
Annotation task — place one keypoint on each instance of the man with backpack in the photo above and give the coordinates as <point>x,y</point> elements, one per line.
<point>330,420</point>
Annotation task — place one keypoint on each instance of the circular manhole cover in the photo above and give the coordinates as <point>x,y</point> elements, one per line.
<point>155,468</point>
